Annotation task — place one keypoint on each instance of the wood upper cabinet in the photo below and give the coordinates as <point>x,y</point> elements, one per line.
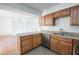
<point>78,15</point>
<point>62,13</point>
<point>56,14</point>
<point>74,17</point>
<point>49,21</point>
<point>65,12</point>
<point>42,20</point>
<point>36,40</point>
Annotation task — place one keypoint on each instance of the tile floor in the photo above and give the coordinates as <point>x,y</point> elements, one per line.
<point>41,51</point>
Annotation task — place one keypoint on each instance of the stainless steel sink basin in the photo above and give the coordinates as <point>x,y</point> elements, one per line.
<point>60,34</point>
<point>67,34</point>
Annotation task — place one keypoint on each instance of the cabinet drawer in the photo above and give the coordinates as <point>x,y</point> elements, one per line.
<point>66,40</point>
<point>39,40</point>
<point>54,37</point>
<point>25,37</point>
<point>26,42</point>
<point>65,43</point>
<point>26,48</point>
<point>36,35</point>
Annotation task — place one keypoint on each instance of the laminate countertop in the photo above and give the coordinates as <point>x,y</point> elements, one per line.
<point>26,34</point>
<point>69,35</point>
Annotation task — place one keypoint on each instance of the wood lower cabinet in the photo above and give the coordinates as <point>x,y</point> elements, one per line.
<point>29,42</point>
<point>26,43</point>
<point>54,42</point>
<point>65,47</point>
<point>36,40</point>
<point>61,45</point>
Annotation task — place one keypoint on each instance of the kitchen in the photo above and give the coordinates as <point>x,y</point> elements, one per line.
<point>39,29</point>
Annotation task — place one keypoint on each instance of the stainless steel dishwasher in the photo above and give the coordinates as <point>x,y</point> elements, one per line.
<point>45,39</point>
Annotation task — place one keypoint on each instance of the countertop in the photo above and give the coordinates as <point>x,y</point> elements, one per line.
<point>29,33</point>
<point>70,35</point>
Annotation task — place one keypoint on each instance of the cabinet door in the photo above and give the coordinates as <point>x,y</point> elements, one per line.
<point>65,12</point>
<point>65,48</point>
<point>42,20</point>
<point>54,45</point>
<point>54,41</point>
<point>36,40</point>
<point>57,14</point>
<point>74,16</point>
<point>78,15</point>
<point>49,21</point>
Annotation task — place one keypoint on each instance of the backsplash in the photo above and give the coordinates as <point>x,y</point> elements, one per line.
<point>62,23</point>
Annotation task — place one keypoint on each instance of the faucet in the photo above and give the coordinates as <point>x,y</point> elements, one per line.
<point>61,31</point>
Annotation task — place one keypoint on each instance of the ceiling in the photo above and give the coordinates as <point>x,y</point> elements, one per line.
<point>35,8</point>
<point>40,6</point>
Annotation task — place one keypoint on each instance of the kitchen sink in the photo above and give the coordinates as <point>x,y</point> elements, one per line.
<point>67,34</point>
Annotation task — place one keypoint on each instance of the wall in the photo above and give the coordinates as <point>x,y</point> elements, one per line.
<point>61,22</point>
<point>14,23</point>
<point>24,25</point>
<point>11,24</point>
<point>5,26</point>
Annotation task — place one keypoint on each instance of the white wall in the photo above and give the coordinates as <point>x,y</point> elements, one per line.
<point>5,25</point>
<point>13,23</point>
<point>61,22</point>
<point>25,25</point>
